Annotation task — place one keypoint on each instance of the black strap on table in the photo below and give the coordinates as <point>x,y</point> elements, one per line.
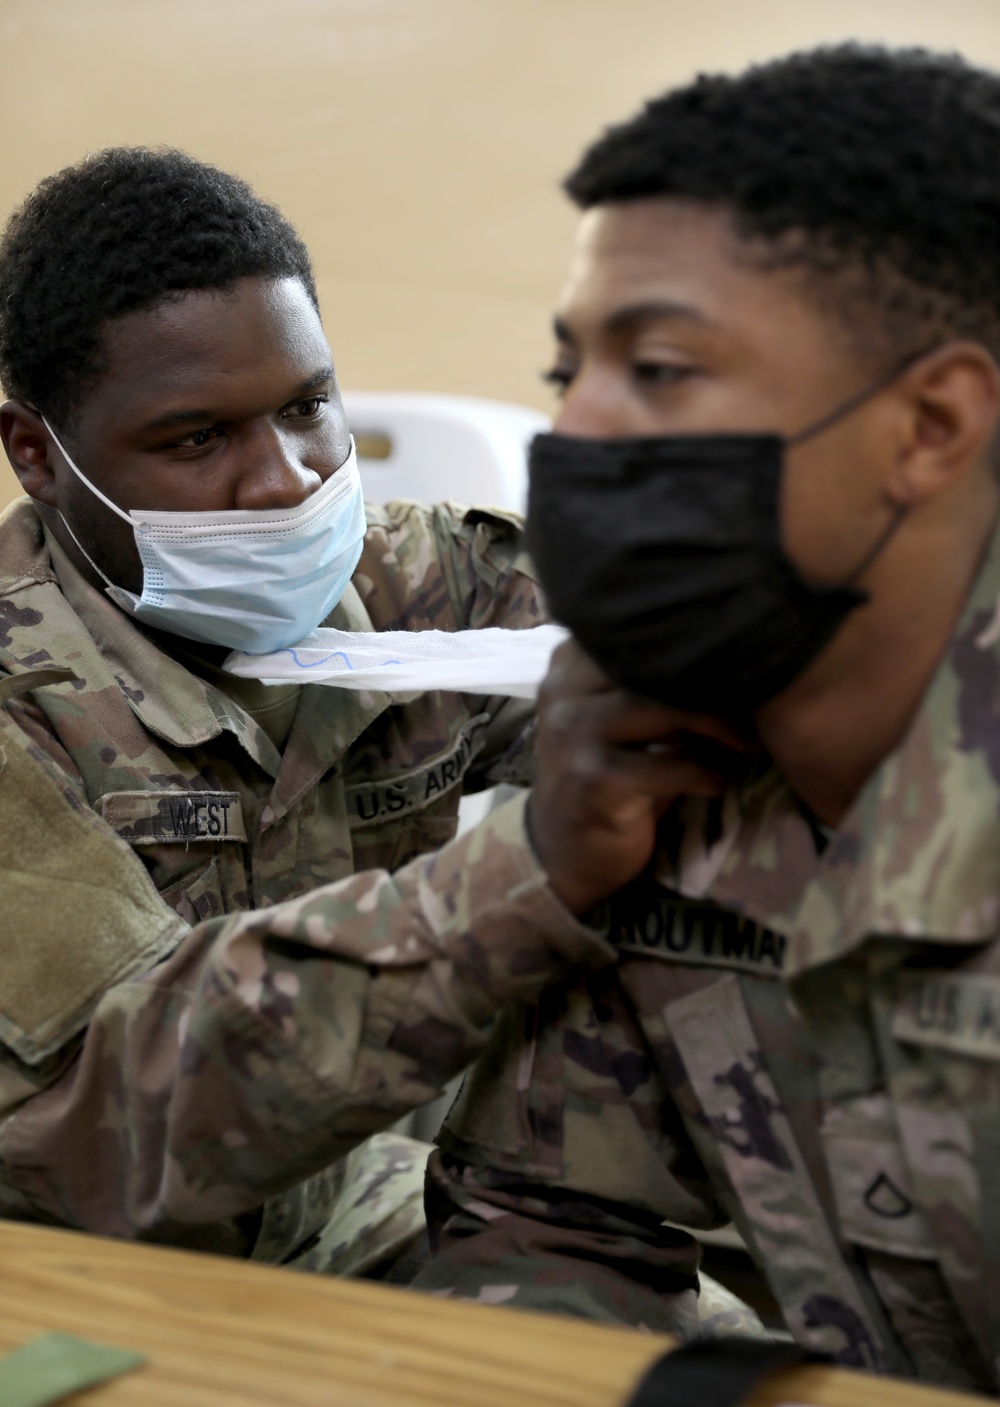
<point>718,1372</point>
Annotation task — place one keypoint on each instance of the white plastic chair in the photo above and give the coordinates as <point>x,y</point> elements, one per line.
<point>432,447</point>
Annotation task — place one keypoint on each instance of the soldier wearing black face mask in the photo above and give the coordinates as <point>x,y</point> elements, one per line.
<point>768,513</point>
<point>690,598</point>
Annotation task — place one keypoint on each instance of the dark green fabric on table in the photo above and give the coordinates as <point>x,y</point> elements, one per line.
<point>51,1367</point>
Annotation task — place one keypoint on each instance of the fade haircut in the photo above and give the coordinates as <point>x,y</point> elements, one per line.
<point>875,172</point>
<point>122,231</point>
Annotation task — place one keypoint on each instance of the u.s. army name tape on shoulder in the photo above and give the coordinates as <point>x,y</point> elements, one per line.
<point>959,1012</point>
<point>370,802</point>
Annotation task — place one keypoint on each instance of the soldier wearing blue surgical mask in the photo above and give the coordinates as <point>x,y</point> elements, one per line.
<point>237,937</point>
<point>255,579</point>
<point>216,435</point>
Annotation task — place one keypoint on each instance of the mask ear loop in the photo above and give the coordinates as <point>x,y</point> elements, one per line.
<point>86,554</point>
<point>881,542</point>
<point>839,413</point>
<point>97,494</point>
<point>109,503</point>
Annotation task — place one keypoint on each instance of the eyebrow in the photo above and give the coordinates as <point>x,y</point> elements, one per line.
<point>199,414</point>
<point>625,319</point>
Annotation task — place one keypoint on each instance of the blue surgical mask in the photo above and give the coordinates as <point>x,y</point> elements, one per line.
<point>250,579</point>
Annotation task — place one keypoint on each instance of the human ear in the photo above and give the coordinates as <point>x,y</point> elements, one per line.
<point>27,444</point>
<point>952,399</point>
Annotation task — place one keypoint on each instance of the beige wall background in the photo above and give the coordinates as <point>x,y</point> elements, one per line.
<point>416,144</point>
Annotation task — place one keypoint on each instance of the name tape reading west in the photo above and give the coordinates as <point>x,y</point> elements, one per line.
<point>369,803</point>
<point>952,1011</point>
<point>661,924</point>
<point>173,817</point>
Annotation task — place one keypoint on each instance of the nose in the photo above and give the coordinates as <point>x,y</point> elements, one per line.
<point>271,473</point>
<point>596,405</point>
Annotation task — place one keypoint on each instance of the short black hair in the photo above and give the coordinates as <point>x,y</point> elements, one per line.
<point>884,163</point>
<point>119,232</point>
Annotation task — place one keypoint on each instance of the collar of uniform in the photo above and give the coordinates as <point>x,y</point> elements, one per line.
<point>917,856</point>
<point>25,561</point>
<point>169,700</point>
<point>328,720</point>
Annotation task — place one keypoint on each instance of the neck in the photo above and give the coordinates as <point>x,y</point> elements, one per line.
<point>177,646</point>
<point>829,731</point>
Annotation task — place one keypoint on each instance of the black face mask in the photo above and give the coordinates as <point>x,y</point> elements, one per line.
<point>664,558</point>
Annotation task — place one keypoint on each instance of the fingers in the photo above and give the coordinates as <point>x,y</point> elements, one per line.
<point>571,670</point>
<point>608,766</point>
<point>624,719</point>
<point>576,695</point>
<point>666,778</point>
<point>620,719</point>
<point>600,770</point>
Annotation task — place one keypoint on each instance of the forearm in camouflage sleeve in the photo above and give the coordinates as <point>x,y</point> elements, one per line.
<point>270,1043</point>
<point>498,1240</point>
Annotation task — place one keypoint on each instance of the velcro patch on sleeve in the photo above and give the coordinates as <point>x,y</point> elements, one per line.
<point>959,1012</point>
<point>79,914</point>
<point>381,799</point>
<point>173,817</point>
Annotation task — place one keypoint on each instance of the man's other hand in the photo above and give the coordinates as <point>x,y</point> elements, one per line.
<point>608,766</point>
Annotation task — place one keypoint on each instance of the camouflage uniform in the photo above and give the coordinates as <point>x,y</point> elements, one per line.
<point>802,1035</point>
<point>236,937</point>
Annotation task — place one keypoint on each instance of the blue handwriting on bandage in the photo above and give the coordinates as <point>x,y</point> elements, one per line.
<point>337,655</point>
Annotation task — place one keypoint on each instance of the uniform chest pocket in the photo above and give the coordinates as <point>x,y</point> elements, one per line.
<point>875,1201</point>
<point>190,841</point>
<point>197,897</point>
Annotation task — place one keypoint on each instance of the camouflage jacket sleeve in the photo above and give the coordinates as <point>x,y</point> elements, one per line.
<point>501,1239</point>
<point>565,1170</point>
<point>256,1048</point>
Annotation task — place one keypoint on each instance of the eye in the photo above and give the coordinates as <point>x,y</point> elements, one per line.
<point>560,377</point>
<point>197,439</point>
<point>308,409</point>
<point>660,373</point>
